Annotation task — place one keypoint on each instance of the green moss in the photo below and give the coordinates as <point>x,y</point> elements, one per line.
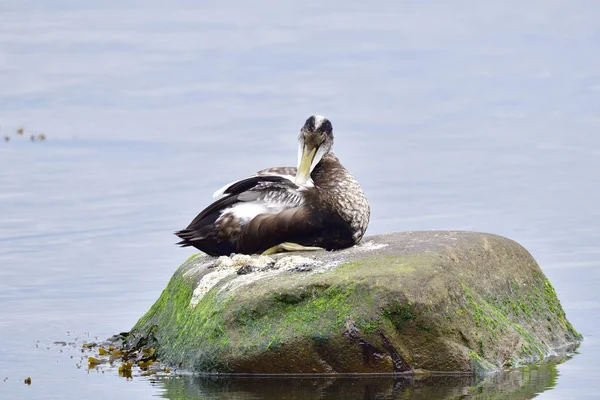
<point>289,298</point>
<point>369,326</point>
<point>182,326</point>
<point>173,300</point>
<point>521,313</point>
<point>552,301</point>
<point>190,258</point>
<point>480,364</point>
<point>399,313</point>
<point>532,347</point>
<point>556,312</point>
<point>485,316</point>
<point>398,264</point>
<point>326,309</point>
<point>573,332</point>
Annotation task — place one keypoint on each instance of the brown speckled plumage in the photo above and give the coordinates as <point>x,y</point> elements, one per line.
<point>271,207</point>
<point>342,193</point>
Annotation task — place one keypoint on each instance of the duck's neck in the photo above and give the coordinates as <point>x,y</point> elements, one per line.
<point>328,171</point>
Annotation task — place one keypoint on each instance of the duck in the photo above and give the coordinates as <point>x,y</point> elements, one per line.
<point>316,205</point>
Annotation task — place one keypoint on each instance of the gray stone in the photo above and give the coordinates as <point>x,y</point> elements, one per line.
<point>426,301</point>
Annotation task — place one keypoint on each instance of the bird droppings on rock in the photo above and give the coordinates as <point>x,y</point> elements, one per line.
<point>258,263</point>
<point>207,282</point>
<point>294,262</point>
<point>241,269</point>
<point>370,246</point>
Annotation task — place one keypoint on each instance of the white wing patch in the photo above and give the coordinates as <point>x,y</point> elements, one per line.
<point>222,190</point>
<point>265,197</point>
<point>246,211</point>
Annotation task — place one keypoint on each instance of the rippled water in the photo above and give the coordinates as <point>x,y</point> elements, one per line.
<point>468,116</point>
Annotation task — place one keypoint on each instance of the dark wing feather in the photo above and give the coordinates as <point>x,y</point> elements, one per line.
<point>202,232</point>
<point>216,206</point>
<point>249,183</point>
<point>286,173</point>
<point>237,189</point>
<point>296,224</point>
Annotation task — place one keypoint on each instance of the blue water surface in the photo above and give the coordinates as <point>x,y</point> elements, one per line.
<point>452,115</point>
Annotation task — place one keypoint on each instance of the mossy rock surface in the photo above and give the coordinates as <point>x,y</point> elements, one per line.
<point>435,300</point>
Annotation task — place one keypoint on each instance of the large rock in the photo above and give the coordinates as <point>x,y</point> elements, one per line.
<point>437,301</point>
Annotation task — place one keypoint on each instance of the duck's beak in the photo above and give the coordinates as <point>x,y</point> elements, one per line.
<point>305,161</point>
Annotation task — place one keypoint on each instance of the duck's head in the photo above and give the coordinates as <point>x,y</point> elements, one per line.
<point>315,140</point>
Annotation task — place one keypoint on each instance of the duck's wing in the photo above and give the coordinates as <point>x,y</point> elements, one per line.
<point>216,228</point>
<point>288,173</point>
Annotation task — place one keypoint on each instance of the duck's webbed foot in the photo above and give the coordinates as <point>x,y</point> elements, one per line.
<point>289,246</point>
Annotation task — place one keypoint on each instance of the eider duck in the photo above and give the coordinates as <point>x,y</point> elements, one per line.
<point>318,205</point>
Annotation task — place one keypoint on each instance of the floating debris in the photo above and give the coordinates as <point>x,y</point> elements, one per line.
<point>148,352</point>
<point>125,369</point>
<point>116,355</point>
<point>133,354</point>
<point>93,361</point>
<point>28,380</point>
<point>21,132</point>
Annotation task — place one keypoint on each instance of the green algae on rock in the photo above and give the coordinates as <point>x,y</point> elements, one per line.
<point>438,301</point>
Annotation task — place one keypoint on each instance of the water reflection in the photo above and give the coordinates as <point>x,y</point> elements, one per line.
<point>523,383</point>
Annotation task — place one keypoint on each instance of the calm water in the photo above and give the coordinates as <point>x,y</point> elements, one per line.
<point>463,115</point>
